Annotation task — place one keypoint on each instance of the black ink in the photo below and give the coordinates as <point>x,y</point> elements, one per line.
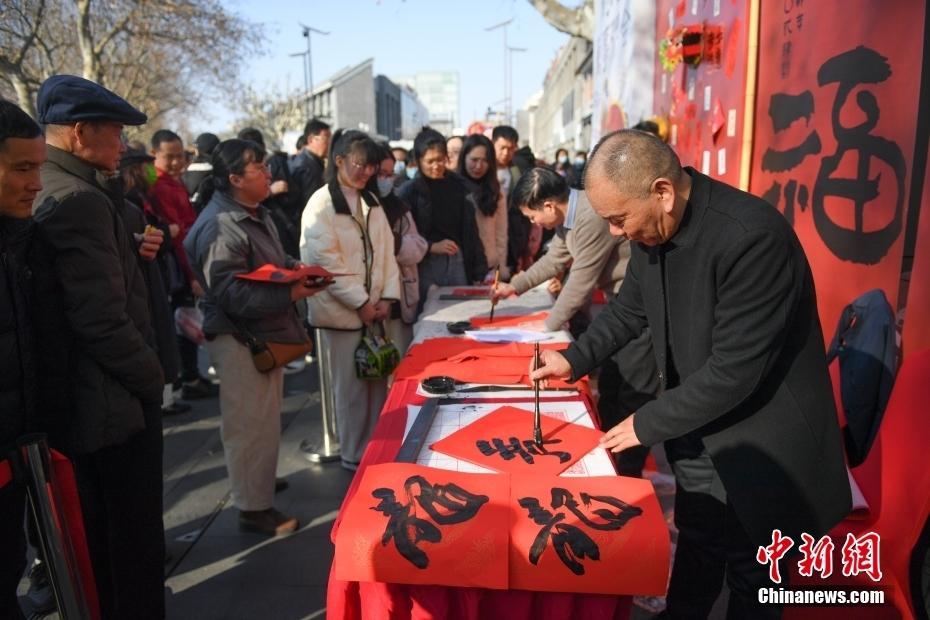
<point>785,109</point>
<point>525,449</point>
<point>570,542</point>
<point>851,69</point>
<point>446,504</point>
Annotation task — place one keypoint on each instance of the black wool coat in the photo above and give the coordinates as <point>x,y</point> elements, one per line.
<point>731,298</point>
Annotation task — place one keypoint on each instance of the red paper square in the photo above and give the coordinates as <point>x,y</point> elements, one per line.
<point>503,441</point>
<point>484,321</point>
<point>449,550</point>
<point>478,291</point>
<point>620,547</point>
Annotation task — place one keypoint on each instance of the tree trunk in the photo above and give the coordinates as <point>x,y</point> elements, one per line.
<point>22,93</point>
<point>576,22</point>
<point>91,63</point>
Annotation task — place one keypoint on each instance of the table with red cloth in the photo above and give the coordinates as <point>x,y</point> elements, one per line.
<point>432,356</point>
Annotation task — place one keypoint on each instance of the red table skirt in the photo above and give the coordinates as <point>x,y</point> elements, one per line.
<point>375,600</point>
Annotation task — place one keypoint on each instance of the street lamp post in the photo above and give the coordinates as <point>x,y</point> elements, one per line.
<point>503,25</point>
<point>305,56</point>
<point>307,32</point>
<point>510,51</point>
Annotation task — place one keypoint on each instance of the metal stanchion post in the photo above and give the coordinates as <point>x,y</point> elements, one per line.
<point>326,449</point>
<point>57,546</point>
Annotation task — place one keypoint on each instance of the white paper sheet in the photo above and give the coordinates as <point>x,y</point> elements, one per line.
<point>453,416</point>
<point>507,334</point>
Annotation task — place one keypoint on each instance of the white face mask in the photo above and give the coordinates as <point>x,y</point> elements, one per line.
<point>563,159</point>
<point>399,167</point>
<point>385,186</point>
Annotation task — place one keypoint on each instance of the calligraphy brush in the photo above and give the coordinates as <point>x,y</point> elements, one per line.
<point>497,278</point>
<point>537,423</point>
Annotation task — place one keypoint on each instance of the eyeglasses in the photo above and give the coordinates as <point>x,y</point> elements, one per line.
<point>260,167</point>
<point>366,167</point>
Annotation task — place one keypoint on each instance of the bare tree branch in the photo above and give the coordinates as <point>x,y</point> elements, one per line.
<point>161,55</point>
<point>577,22</point>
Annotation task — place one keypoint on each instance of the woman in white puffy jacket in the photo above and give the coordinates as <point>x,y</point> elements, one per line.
<point>344,229</point>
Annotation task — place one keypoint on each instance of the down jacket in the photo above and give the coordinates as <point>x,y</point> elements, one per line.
<point>351,239</point>
<point>96,343</point>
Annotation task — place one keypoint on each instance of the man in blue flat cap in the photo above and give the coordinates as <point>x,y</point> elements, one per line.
<point>102,381</point>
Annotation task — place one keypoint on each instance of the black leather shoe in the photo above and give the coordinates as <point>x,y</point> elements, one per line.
<point>198,388</point>
<point>271,522</point>
<point>280,484</point>
<point>175,408</point>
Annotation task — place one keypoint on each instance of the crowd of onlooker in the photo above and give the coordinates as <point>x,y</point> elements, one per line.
<point>122,264</point>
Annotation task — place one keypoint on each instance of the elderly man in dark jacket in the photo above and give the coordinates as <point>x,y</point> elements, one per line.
<point>22,151</point>
<point>111,371</point>
<point>746,409</point>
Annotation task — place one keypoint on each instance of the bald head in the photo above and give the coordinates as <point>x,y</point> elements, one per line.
<point>632,160</point>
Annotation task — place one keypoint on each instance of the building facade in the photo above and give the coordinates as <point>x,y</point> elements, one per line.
<point>347,99</point>
<point>388,108</point>
<point>560,116</point>
<point>439,92</point>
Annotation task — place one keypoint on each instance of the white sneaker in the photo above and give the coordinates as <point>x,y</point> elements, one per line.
<point>294,367</point>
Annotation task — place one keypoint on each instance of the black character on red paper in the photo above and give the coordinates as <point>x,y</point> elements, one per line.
<point>785,109</point>
<point>571,543</point>
<point>525,449</point>
<point>851,69</point>
<point>445,504</point>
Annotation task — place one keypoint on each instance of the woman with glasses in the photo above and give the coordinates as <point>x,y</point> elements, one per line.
<point>444,216</point>
<point>478,166</point>
<point>345,230</point>
<point>409,250</point>
<point>232,236</point>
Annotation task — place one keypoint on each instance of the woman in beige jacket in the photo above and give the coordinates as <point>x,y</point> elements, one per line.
<point>409,249</point>
<point>344,229</point>
<point>478,166</point>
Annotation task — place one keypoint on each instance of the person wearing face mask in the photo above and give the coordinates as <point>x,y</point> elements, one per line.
<point>400,156</point>
<point>478,167</point>
<point>563,167</point>
<point>439,202</point>
<point>345,230</point>
<point>409,250</point>
<point>578,165</point>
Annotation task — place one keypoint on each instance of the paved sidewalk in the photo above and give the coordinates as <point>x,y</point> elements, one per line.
<point>218,572</point>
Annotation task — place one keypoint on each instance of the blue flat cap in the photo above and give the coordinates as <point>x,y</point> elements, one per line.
<point>64,99</point>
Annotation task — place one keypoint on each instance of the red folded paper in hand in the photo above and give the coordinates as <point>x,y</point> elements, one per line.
<point>273,273</point>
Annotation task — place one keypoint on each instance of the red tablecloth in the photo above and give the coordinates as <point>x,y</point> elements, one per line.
<point>353,600</point>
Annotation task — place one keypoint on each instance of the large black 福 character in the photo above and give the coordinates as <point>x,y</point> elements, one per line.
<point>525,449</point>
<point>851,69</point>
<point>446,504</point>
<point>571,543</point>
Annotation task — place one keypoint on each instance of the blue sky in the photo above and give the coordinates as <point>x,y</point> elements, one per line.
<point>404,37</point>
